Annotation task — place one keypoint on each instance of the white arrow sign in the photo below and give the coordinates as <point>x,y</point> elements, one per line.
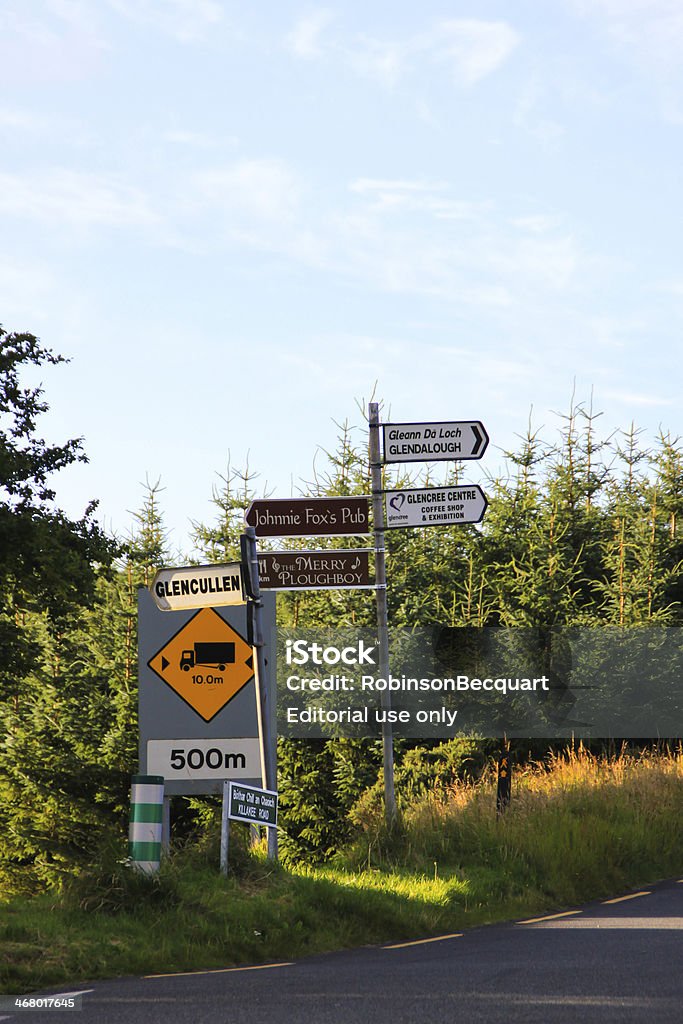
<point>434,442</point>
<point>198,586</point>
<point>435,506</point>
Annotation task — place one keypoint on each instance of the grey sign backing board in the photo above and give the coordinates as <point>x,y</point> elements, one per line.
<point>434,442</point>
<point>197,695</point>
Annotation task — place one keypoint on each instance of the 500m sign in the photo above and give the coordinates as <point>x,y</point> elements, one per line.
<point>195,759</point>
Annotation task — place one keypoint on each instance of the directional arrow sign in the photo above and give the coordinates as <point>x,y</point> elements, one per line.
<point>435,506</point>
<point>314,570</point>
<point>309,517</point>
<point>198,586</point>
<point>434,442</point>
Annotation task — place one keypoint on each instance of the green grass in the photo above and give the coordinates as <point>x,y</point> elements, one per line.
<point>577,829</point>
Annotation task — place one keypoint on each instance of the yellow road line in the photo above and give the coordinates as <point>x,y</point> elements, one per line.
<point>220,970</point>
<point>423,942</point>
<point>550,917</point>
<point>621,899</point>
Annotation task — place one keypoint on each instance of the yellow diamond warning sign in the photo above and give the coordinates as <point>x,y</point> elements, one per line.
<point>207,662</point>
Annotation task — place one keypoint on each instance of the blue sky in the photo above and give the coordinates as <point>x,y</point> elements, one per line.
<point>236,218</point>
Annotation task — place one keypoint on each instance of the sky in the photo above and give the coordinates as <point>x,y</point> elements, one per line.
<point>238,221</point>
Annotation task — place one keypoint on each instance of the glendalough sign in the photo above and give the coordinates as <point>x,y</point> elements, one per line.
<point>434,442</point>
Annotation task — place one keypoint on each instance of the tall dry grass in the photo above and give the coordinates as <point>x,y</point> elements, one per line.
<point>578,825</point>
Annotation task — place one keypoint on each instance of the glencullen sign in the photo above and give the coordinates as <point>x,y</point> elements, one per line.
<point>198,586</point>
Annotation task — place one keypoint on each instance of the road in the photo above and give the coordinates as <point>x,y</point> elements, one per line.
<point>618,960</point>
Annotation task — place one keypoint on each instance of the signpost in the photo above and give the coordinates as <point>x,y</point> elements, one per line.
<point>434,442</point>
<point>435,506</point>
<point>310,517</point>
<point>198,586</point>
<point>315,570</point>
<point>206,706</point>
<point>429,506</point>
<point>265,704</point>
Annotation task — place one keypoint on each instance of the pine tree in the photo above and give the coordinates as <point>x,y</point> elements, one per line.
<point>72,735</point>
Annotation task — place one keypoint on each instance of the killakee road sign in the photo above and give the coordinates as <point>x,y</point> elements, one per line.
<point>434,442</point>
<point>253,805</point>
<point>435,506</point>
<point>198,586</point>
<point>310,517</point>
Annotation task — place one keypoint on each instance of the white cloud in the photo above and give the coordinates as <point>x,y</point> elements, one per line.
<point>23,120</point>
<point>398,235</point>
<point>648,34</point>
<point>60,195</point>
<point>198,140</point>
<point>470,47</point>
<point>639,398</point>
<point>31,125</point>
<point>537,224</point>
<point>387,195</point>
<point>531,112</point>
<point>652,30</point>
<point>474,48</point>
<point>185,20</point>
<point>27,293</point>
<point>365,185</point>
<point>382,61</point>
<point>261,189</point>
<point>61,44</point>
<point>305,38</point>
<point>671,287</point>
<point>78,15</point>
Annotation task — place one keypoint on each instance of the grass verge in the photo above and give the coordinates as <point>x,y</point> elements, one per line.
<point>578,828</point>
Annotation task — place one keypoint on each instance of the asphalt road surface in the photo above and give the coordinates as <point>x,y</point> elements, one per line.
<point>618,960</point>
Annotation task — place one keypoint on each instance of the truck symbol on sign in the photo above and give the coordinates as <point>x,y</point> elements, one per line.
<point>215,655</point>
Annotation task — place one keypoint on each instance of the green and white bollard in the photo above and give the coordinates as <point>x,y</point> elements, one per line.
<point>146,817</point>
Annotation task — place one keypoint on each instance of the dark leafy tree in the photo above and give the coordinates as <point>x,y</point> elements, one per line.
<point>49,571</point>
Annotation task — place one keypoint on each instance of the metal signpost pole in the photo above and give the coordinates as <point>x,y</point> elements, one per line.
<point>268,738</point>
<point>381,597</point>
<point>225,827</point>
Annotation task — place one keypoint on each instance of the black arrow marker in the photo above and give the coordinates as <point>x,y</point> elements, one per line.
<point>478,439</point>
<point>164,663</point>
